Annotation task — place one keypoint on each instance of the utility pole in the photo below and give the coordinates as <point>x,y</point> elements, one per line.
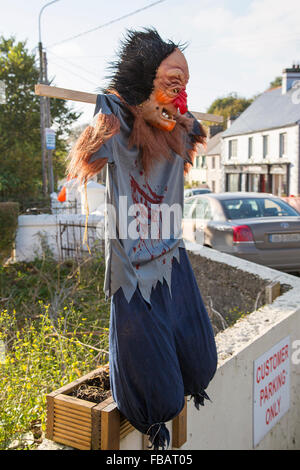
<point>48,125</point>
<point>45,119</point>
<point>42,125</point>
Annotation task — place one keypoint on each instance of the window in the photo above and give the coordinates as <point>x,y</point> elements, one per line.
<point>213,186</point>
<point>271,208</point>
<point>241,208</point>
<point>207,211</point>
<point>232,148</point>
<point>256,207</point>
<point>213,163</point>
<point>282,144</point>
<point>203,163</point>
<point>265,145</point>
<point>279,184</point>
<point>253,183</point>
<point>202,210</point>
<point>198,211</point>
<point>233,182</point>
<point>250,147</point>
<point>188,207</point>
<point>188,193</point>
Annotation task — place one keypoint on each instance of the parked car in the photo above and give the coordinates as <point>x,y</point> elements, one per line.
<point>195,192</point>
<point>255,226</point>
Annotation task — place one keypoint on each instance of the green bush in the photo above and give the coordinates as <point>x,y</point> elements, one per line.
<point>40,357</point>
<point>54,323</point>
<point>23,285</point>
<point>8,224</point>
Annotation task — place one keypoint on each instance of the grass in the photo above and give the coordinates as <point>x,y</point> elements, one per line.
<point>234,315</point>
<point>54,324</point>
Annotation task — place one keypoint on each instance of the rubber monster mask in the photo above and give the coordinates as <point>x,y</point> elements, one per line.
<point>148,80</point>
<point>168,96</point>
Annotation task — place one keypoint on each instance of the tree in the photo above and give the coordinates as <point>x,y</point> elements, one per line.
<point>75,133</point>
<point>20,146</point>
<point>230,105</point>
<point>276,82</point>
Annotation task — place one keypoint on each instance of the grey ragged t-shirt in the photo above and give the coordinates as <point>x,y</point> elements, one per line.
<point>138,248</point>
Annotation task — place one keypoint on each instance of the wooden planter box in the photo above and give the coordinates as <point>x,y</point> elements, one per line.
<point>85,425</point>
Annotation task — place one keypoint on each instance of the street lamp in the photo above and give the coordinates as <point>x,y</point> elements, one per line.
<point>45,113</point>
<point>42,9</point>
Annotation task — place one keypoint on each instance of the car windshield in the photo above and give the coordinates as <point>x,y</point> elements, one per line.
<point>201,191</point>
<point>242,208</point>
<point>187,206</point>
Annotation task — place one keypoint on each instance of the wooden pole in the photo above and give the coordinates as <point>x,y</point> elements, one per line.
<point>65,94</point>
<point>42,125</point>
<point>48,125</point>
<point>74,95</point>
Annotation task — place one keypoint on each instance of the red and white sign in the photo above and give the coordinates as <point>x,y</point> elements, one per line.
<point>271,388</point>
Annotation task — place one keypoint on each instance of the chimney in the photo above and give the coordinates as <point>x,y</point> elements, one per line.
<point>230,120</point>
<point>213,130</point>
<point>289,76</point>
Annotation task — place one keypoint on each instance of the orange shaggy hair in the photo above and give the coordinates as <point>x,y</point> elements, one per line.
<point>91,139</point>
<point>153,143</point>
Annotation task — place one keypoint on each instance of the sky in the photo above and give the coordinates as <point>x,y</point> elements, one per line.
<point>233,45</point>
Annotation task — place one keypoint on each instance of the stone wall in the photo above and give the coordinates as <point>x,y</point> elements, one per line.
<point>228,290</point>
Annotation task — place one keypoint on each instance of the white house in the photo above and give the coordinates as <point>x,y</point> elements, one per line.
<point>197,174</point>
<point>214,166</point>
<point>207,168</point>
<point>261,149</point>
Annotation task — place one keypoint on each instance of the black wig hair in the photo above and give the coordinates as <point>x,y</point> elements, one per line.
<point>140,55</point>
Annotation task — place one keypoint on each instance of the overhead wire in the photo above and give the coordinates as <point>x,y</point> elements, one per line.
<point>89,31</point>
<point>108,23</point>
<point>94,74</point>
<point>74,73</point>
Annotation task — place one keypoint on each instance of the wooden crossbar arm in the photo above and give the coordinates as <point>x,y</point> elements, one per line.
<point>65,94</point>
<point>73,95</point>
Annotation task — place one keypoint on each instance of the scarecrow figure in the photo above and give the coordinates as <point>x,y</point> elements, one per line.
<point>161,342</point>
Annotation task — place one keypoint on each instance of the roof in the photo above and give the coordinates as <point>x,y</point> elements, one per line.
<point>270,110</point>
<point>213,146</point>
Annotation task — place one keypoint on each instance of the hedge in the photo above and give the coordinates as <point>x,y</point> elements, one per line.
<point>8,225</point>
